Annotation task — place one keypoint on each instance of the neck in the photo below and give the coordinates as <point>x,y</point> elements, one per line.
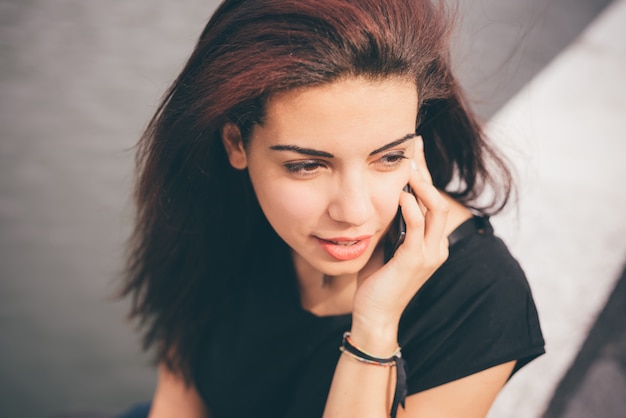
<point>324,295</point>
<point>334,297</point>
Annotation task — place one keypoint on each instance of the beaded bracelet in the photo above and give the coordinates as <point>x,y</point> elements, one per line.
<point>364,357</point>
<point>395,359</point>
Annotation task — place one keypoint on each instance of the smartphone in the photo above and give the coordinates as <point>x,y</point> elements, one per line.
<point>398,232</point>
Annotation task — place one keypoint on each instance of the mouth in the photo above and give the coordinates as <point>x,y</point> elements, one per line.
<point>344,249</point>
<point>344,243</point>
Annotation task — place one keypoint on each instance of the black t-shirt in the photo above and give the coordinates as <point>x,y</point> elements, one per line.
<point>270,358</point>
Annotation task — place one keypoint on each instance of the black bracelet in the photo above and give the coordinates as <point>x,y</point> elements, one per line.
<point>395,359</point>
<point>355,352</point>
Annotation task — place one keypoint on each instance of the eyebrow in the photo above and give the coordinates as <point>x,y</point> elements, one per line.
<point>317,153</point>
<point>394,143</point>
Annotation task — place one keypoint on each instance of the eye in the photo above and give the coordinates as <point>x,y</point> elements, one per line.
<point>392,160</point>
<point>304,168</point>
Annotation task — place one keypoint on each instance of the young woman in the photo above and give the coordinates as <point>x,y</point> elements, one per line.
<point>274,226</point>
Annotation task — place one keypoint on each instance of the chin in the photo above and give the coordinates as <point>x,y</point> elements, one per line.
<point>342,268</point>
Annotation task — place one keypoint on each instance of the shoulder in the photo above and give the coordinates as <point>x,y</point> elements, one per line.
<point>479,266</point>
<point>475,312</point>
<point>479,262</point>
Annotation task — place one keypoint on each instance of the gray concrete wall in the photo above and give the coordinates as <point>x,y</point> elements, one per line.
<point>78,82</point>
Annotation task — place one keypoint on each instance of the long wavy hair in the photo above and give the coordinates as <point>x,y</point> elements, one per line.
<point>197,217</point>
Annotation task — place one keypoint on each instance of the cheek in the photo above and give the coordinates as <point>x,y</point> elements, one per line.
<point>289,204</point>
<point>387,196</point>
<point>387,205</point>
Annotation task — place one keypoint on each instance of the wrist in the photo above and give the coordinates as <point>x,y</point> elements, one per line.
<point>381,340</point>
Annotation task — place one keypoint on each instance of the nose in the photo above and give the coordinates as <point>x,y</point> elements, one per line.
<point>351,203</point>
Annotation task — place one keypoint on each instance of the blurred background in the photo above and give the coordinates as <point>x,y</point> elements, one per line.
<point>79,80</point>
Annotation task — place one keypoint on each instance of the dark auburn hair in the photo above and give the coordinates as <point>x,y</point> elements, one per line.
<point>197,216</point>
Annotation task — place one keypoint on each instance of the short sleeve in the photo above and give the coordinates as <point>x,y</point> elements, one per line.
<point>474,313</point>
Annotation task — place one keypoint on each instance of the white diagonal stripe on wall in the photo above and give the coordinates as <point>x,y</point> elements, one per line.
<point>566,131</point>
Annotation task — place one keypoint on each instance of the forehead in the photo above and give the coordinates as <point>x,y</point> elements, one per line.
<point>345,111</point>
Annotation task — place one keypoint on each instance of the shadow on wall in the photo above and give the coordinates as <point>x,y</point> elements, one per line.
<point>595,385</point>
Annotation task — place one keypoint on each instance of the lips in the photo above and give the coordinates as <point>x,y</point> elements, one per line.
<point>344,243</point>
<point>345,249</point>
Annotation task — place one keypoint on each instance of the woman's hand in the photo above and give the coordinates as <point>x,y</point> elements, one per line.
<point>381,298</point>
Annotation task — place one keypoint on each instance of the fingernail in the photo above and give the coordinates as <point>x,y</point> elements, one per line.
<point>413,165</point>
<point>419,142</point>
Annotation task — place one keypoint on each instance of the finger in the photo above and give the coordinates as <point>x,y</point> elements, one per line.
<point>435,224</point>
<point>416,176</point>
<point>435,209</point>
<point>420,159</point>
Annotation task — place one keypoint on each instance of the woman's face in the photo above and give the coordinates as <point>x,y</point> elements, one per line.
<point>328,165</point>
